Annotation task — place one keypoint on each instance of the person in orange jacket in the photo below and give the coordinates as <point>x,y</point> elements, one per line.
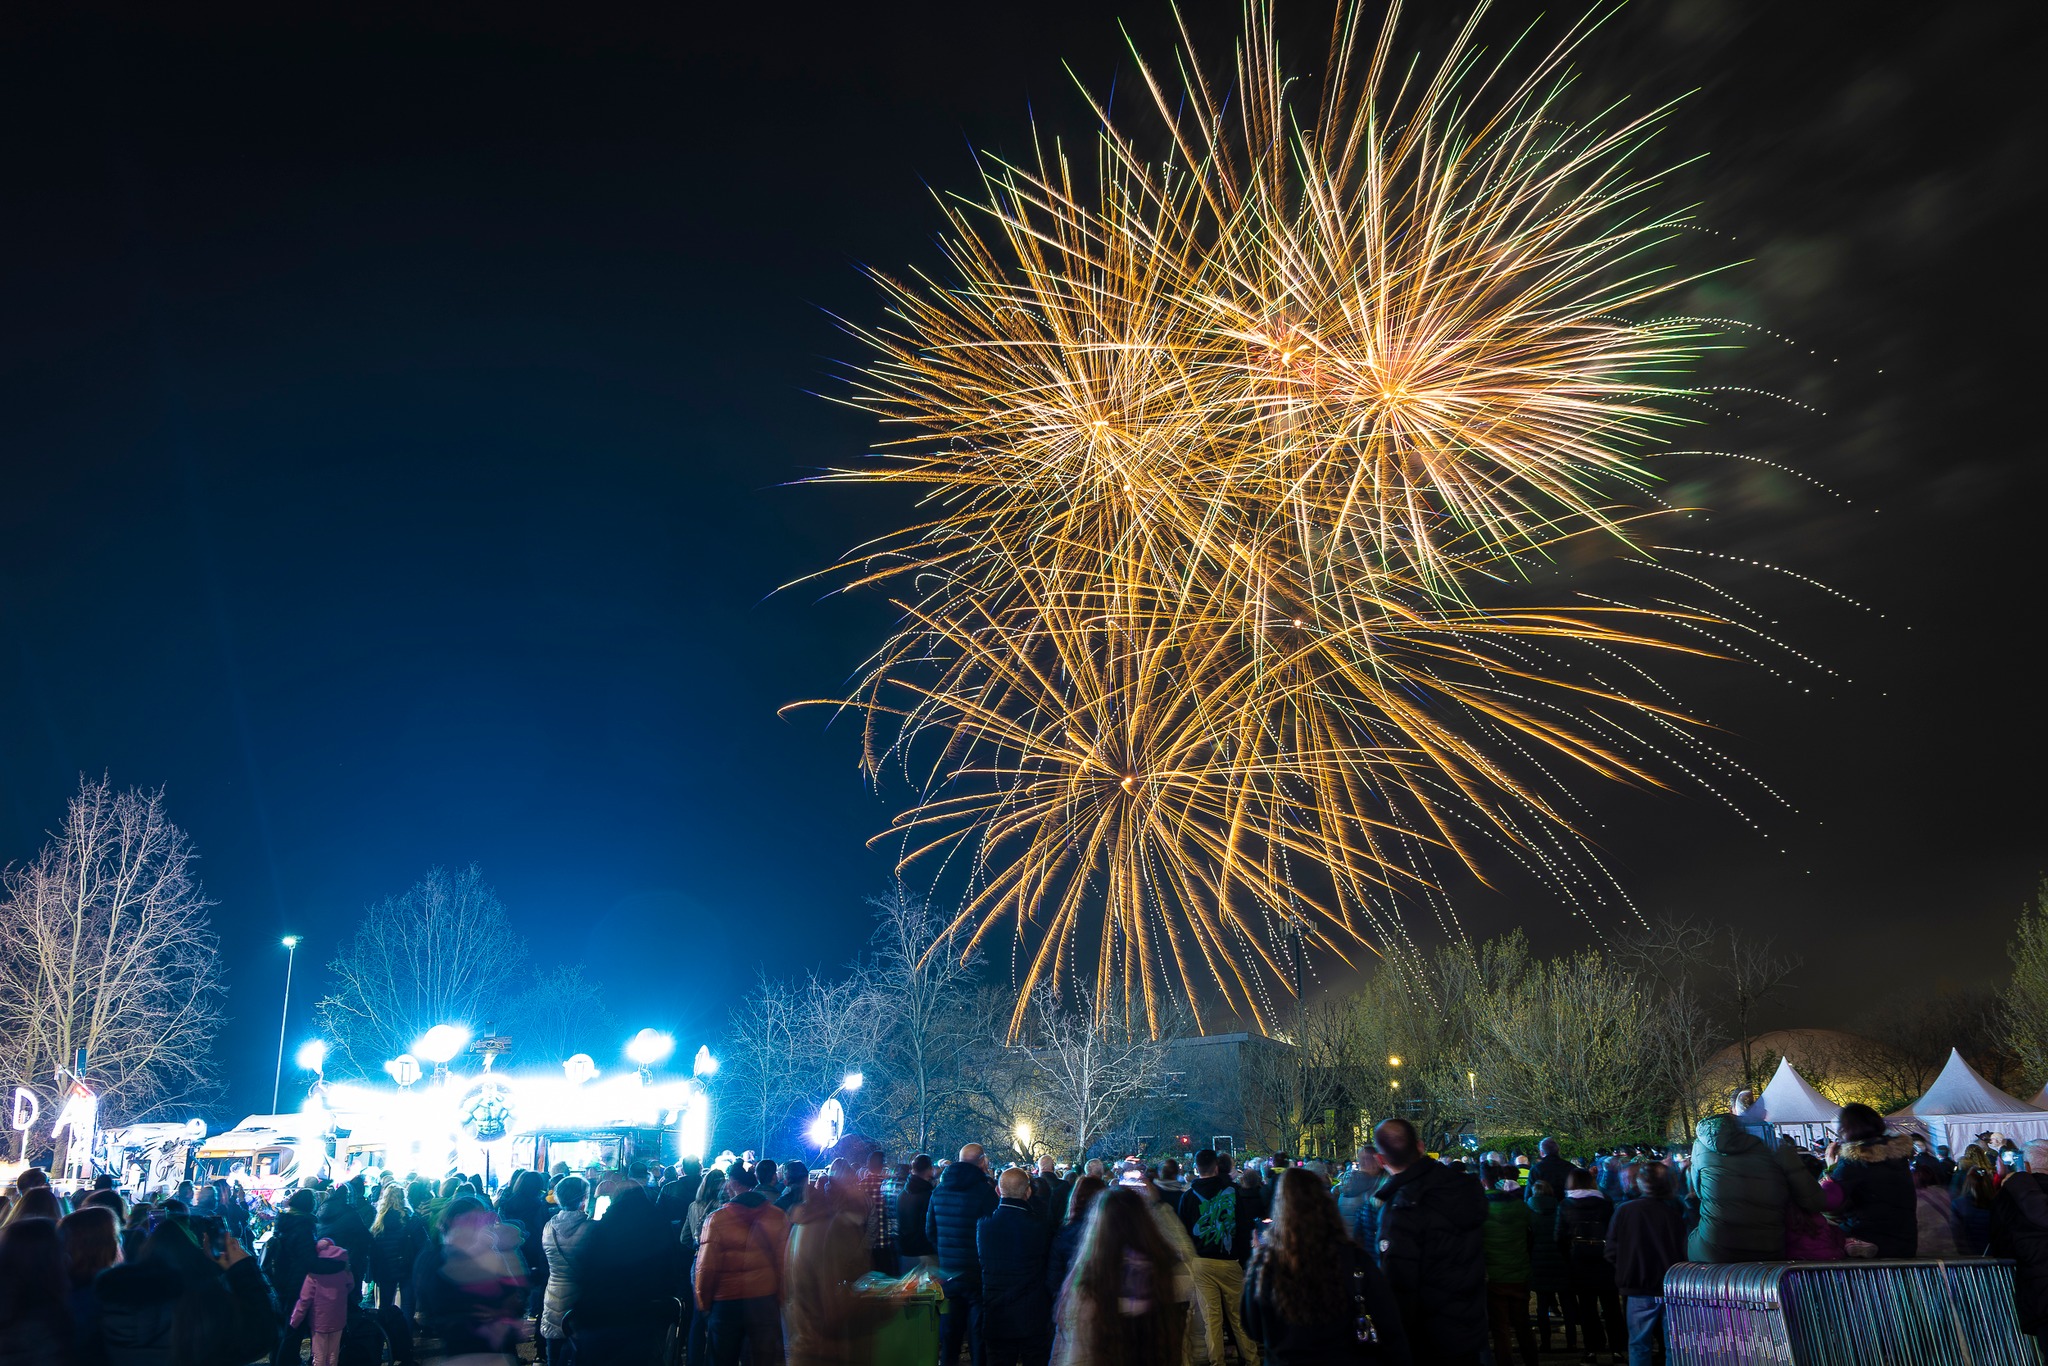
<point>741,1274</point>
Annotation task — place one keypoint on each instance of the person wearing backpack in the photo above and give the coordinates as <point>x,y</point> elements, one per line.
<point>1220,1222</point>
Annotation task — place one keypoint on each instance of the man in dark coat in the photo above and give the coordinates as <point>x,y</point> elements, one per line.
<point>1645,1238</point>
<point>1049,1194</point>
<point>287,1258</point>
<point>2019,1230</point>
<point>1016,1306</point>
<point>339,1221</point>
<point>911,1204</point>
<point>1432,1249</point>
<point>1552,1166</point>
<point>964,1197</point>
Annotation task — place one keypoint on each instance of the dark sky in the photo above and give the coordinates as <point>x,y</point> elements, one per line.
<point>396,405</point>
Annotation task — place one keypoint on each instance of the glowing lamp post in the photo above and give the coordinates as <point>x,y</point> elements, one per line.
<point>441,1043</point>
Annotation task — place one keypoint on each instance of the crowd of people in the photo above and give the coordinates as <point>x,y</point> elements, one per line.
<point>1401,1257</point>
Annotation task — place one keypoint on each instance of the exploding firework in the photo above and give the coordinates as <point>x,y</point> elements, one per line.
<point>1227,460</point>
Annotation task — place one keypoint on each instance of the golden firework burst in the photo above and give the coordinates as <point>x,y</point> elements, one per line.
<point>1225,457</point>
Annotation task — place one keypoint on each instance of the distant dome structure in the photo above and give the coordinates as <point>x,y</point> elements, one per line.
<point>1842,1066</point>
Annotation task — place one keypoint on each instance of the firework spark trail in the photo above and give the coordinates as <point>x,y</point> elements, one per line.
<point>1221,458</point>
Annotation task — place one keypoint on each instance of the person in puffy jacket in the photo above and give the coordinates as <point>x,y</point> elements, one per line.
<point>1590,1299</point>
<point>1012,1244</point>
<point>740,1270</point>
<point>175,1304</point>
<point>323,1301</point>
<point>1510,1238</point>
<point>1877,1185</point>
<point>963,1198</point>
<point>562,1240</point>
<point>1743,1187</point>
<point>1432,1247</point>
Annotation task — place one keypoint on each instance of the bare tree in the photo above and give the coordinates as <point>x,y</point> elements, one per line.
<point>759,1068</point>
<point>920,990</point>
<point>1672,957</point>
<point>561,1014</point>
<point>105,948</point>
<point>1750,973</point>
<point>443,953</point>
<point>1091,1069</point>
<point>835,1031</point>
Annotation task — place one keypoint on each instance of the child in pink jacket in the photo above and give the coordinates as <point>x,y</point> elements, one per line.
<point>323,1302</point>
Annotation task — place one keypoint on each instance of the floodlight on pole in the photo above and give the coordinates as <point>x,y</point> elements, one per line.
<point>851,1081</point>
<point>441,1043</point>
<point>649,1048</point>
<point>705,1065</point>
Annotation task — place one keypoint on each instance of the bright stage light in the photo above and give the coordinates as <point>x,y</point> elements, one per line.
<point>312,1055</point>
<point>706,1065</point>
<point>441,1043</point>
<point>830,1124</point>
<point>851,1081</point>
<point>649,1047</point>
<point>290,941</point>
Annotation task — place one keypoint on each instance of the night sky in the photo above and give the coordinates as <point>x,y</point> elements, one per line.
<point>399,405</point>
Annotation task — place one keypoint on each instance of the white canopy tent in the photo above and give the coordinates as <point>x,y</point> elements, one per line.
<point>1795,1109</point>
<point>1961,1104</point>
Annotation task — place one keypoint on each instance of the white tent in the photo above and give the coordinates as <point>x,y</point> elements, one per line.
<point>1792,1105</point>
<point>2040,1100</point>
<point>1961,1104</point>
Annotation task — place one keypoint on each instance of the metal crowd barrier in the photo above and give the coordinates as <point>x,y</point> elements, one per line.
<point>1849,1313</point>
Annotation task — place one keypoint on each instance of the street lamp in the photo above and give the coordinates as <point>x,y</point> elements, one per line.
<point>851,1081</point>
<point>291,953</point>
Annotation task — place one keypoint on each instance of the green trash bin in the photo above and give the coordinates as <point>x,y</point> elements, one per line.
<point>911,1336</point>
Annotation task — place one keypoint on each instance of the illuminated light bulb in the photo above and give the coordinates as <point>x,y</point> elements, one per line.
<point>312,1055</point>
